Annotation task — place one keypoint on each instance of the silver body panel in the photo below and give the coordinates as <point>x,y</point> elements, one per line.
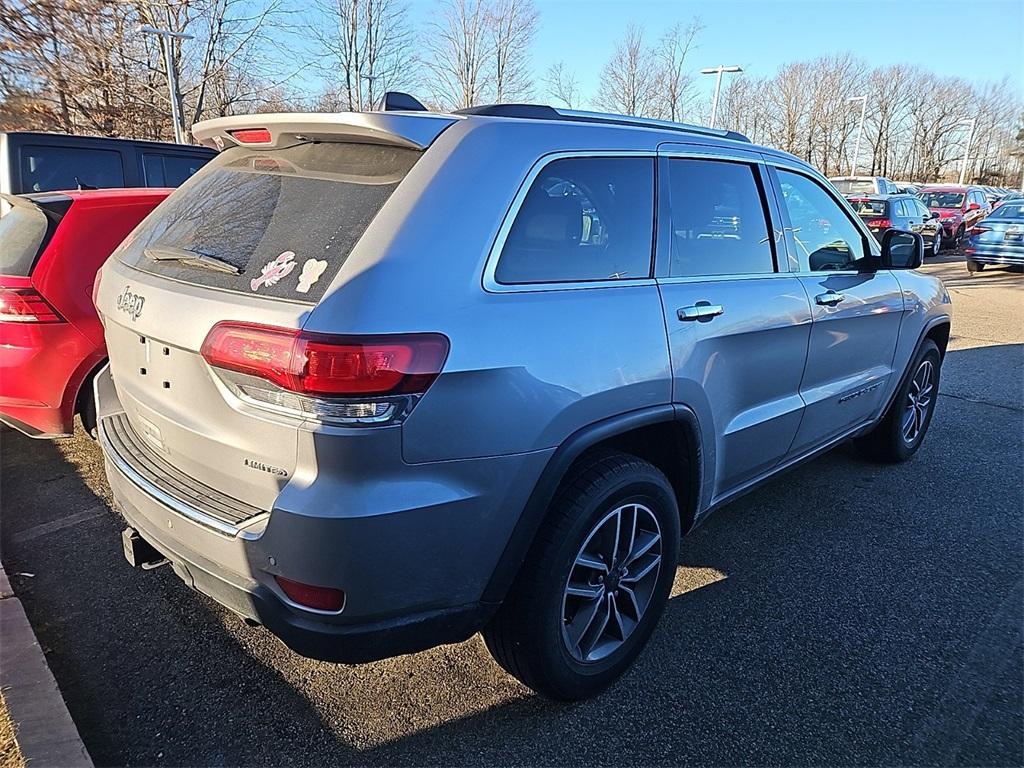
<point>417,516</point>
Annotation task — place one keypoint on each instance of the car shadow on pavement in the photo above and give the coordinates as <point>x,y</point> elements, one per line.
<point>844,613</point>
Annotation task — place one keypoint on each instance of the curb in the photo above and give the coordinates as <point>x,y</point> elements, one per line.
<point>45,731</point>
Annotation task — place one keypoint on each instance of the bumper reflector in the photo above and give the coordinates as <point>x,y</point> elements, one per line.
<point>308,596</point>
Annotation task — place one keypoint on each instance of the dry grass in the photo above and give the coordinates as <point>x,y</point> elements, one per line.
<point>10,754</point>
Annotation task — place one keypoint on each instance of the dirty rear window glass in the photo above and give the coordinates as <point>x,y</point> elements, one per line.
<point>275,222</point>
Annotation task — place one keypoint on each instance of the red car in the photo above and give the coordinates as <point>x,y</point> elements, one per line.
<point>51,340</point>
<point>959,208</point>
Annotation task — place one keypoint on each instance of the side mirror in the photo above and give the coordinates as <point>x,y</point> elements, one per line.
<point>933,214</point>
<point>902,250</point>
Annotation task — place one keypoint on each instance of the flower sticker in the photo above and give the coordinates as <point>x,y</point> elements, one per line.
<point>311,272</point>
<point>274,271</point>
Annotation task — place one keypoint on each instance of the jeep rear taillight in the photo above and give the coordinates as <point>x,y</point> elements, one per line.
<point>26,305</point>
<point>344,379</point>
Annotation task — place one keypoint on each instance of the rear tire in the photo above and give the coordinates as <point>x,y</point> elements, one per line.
<point>901,431</point>
<point>974,266</point>
<point>549,632</point>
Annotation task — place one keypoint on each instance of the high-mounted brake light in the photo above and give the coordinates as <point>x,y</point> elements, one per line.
<point>26,305</point>
<point>251,135</point>
<point>318,364</point>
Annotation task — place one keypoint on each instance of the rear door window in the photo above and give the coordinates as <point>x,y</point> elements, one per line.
<point>45,169</point>
<point>277,222</point>
<point>170,170</point>
<point>719,223</point>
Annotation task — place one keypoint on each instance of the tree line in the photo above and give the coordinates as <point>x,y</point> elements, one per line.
<point>83,66</point>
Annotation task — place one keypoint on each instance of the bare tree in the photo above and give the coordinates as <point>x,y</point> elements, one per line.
<point>511,26</point>
<point>367,48</point>
<point>675,92</point>
<point>562,84</point>
<point>87,63</point>
<point>629,81</point>
<point>460,53</point>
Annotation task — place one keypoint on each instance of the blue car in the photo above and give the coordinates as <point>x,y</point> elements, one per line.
<point>998,238</point>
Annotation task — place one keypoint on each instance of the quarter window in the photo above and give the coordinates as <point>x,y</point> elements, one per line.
<point>820,234</point>
<point>584,218</point>
<point>719,226</point>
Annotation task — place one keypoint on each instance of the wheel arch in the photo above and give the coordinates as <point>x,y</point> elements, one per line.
<point>84,389</point>
<point>667,436</point>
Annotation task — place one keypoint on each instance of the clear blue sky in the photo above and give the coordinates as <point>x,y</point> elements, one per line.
<point>977,39</point>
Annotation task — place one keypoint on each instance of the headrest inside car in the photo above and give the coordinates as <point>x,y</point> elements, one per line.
<point>546,219</point>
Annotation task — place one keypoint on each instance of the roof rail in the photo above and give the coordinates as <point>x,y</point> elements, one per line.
<point>543,112</point>
<point>649,122</point>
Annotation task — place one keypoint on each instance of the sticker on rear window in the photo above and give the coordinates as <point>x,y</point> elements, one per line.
<point>274,271</point>
<point>311,272</point>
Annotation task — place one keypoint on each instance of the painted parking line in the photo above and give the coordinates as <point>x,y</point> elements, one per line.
<point>44,529</point>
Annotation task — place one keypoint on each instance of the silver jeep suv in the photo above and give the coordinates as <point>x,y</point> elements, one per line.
<point>379,381</point>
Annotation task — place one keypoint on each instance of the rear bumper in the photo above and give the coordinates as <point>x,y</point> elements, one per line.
<point>41,369</point>
<point>986,254</point>
<point>413,573</point>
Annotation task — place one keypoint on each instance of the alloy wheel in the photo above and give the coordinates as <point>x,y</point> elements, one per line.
<point>919,401</point>
<point>611,582</point>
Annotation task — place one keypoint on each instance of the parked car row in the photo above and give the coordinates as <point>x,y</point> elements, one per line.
<point>376,385</point>
<point>946,215</point>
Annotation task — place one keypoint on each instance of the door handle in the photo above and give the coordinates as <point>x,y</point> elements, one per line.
<point>829,298</point>
<point>702,310</point>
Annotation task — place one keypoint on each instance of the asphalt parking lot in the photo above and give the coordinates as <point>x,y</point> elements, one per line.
<point>843,614</point>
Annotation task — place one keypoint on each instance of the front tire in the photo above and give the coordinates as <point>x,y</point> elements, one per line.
<point>595,581</point>
<point>937,243</point>
<point>901,431</point>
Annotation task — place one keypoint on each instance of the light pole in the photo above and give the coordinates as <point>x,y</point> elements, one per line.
<point>172,79</point>
<point>860,131</point>
<point>717,71</point>
<point>370,80</point>
<point>967,150</point>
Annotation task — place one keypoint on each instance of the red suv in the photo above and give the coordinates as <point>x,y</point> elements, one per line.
<point>959,208</point>
<point>51,340</point>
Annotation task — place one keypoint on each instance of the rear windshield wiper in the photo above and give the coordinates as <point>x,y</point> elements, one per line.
<point>164,253</point>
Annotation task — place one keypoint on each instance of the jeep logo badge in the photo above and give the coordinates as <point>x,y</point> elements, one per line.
<point>130,303</point>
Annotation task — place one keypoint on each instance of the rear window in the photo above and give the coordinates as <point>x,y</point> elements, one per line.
<point>23,231</point>
<point>869,207</point>
<point>1013,210</point>
<point>277,222</point>
<point>850,186</point>
<point>45,169</point>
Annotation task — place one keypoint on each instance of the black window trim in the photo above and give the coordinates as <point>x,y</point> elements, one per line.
<point>490,282</point>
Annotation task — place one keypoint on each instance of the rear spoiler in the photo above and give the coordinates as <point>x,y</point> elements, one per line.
<point>412,129</point>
